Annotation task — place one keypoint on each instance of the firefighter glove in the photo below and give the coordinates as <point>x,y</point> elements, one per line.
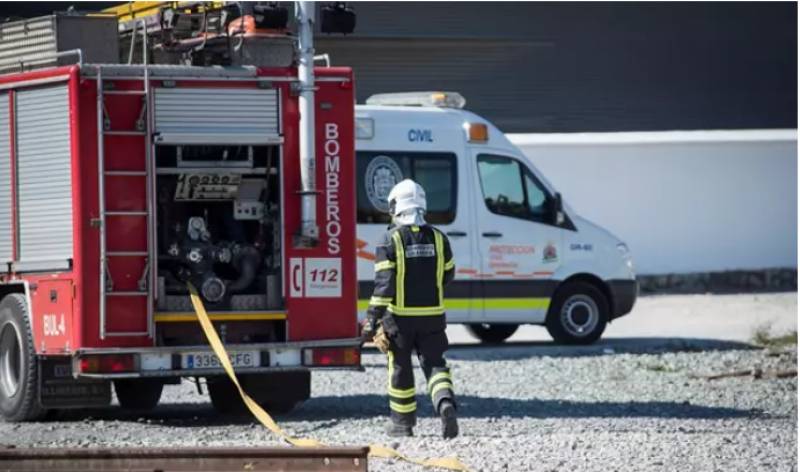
<point>368,327</point>
<point>381,340</point>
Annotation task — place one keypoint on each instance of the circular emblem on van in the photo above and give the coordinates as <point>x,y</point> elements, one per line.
<point>382,174</point>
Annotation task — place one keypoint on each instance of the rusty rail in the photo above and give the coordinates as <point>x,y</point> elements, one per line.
<point>186,459</point>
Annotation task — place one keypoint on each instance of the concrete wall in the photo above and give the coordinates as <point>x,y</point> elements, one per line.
<point>684,201</point>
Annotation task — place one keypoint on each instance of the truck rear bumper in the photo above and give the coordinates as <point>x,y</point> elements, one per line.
<point>624,294</point>
<point>200,361</point>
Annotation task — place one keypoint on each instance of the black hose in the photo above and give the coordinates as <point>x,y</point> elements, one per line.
<point>247,261</point>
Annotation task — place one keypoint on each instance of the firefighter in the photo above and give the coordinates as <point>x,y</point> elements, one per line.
<point>406,312</point>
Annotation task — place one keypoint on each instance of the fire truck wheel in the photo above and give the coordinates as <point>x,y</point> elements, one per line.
<point>138,394</point>
<point>224,396</point>
<point>276,392</point>
<point>578,314</point>
<point>492,333</point>
<point>280,392</point>
<point>19,370</point>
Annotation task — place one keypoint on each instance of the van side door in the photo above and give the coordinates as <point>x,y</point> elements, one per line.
<point>518,246</point>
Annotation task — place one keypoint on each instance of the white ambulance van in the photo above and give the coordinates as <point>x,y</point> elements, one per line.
<point>522,255</point>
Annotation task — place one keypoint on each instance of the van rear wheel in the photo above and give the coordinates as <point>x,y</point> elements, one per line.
<point>578,314</point>
<point>492,333</point>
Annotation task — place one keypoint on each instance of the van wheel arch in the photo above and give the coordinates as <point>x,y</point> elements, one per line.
<point>592,280</point>
<point>579,311</point>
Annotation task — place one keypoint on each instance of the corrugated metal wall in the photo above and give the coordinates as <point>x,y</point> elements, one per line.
<point>6,239</point>
<point>564,67</point>
<point>45,182</point>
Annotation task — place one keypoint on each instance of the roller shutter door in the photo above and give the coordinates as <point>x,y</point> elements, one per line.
<point>244,116</point>
<point>44,177</point>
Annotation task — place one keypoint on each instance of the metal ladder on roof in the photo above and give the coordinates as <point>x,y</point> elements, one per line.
<point>146,284</point>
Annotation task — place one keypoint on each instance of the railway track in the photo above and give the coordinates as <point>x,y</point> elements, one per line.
<point>343,459</point>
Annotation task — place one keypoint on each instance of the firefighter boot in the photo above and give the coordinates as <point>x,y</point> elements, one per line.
<point>398,430</point>
<point>447,411</point>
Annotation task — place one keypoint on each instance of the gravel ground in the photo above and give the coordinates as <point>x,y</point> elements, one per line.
<point>624,405</point>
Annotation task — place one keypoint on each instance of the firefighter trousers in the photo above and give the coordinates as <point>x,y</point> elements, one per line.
<point>426,336</point>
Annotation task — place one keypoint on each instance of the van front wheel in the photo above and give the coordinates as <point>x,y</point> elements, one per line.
<point>578,314</point>
<point>492,333</point>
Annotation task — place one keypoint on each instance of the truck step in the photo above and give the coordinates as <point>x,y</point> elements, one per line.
<point>126,253</point>
<point>123,133</point>
<point>126,213</point>
<point>126,173</point>
<point>124,92</point>
<point>126,294</point>
<point>115,334</point>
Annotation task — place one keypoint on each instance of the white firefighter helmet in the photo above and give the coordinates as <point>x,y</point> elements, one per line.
<point>407,197</point>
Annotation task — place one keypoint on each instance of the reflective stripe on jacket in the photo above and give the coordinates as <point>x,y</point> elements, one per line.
<point>412,265</point>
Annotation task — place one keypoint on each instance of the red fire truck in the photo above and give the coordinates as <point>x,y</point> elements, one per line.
<point>123,182</point>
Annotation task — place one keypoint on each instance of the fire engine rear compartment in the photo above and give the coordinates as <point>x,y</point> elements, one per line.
<point>207,210</point>
<point>218,227</point>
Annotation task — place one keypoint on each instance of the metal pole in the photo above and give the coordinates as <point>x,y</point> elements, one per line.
<point>101,197</point>
<point>152,257</point>
<point>305,74</point>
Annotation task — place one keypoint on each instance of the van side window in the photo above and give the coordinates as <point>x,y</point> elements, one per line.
<point>377,172</point>
<point>510,189</point>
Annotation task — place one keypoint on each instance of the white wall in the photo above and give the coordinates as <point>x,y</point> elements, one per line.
<point>683,201</point>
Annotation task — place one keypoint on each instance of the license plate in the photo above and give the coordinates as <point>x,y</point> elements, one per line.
<point>209,360</point>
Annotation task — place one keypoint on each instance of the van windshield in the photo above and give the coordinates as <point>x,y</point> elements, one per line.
<point>378,171</point>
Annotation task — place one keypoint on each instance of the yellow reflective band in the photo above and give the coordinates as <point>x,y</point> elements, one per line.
<point>439,244</point>
<point>516,303</point>
<point>440,386</point>
<point>390,364</point>
<point>410,408</point>
<point>407,393</point>
<point>384,265</point>
<point>450,264</point>
<point>439,376</point>
<point>175,317</point>
<point>415,229</point>
<point>416,311</point>
<point>463,303</point>
<point>380,301</point>
<point>400,295</point>
<point>488,303</point>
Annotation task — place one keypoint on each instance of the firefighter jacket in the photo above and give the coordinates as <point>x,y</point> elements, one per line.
<point>412,265</point>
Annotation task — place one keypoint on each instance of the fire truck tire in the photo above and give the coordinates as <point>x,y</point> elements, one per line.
<point>19,369</point>
<point>578,314</point>
<point>492,333</point>
<point>224,396</point>
<point>138,394</point>
<point>276,392</point>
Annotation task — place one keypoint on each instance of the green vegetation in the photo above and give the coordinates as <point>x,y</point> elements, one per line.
<point>763,336</point>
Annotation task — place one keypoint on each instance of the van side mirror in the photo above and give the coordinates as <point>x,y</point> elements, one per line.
<point>558,209</point>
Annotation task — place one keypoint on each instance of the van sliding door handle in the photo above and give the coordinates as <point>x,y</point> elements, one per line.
<point>492,234</point>
<point>458,234</point>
